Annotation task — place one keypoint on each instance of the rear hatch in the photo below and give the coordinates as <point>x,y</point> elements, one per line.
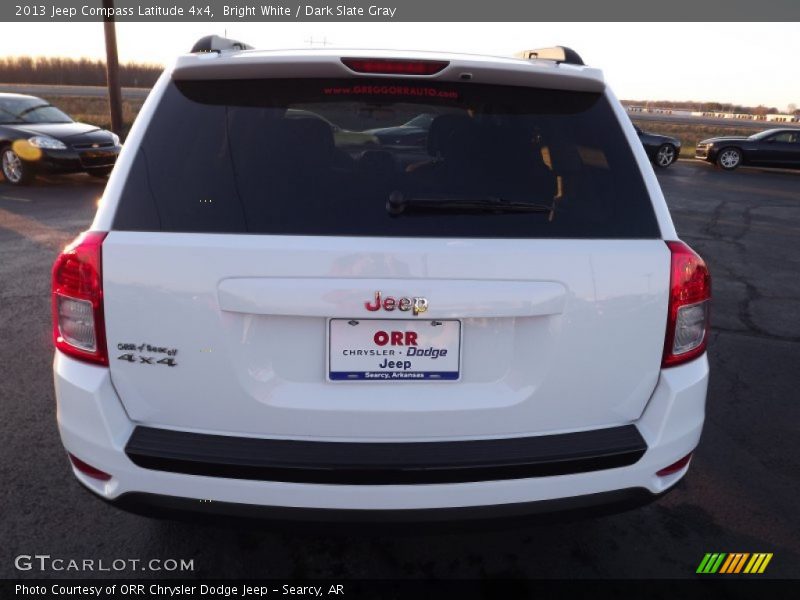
<point>277,270</point>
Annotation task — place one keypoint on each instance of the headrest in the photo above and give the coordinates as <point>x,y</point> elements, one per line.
<point>452,135</point>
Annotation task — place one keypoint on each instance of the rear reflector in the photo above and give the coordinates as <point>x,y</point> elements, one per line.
<point>88,470</point>
<point>675,467</point>
<point>688,313</point>
<point>78,325</point>
<point>388,66</point>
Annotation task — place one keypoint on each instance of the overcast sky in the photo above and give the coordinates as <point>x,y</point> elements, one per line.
<point>743,63</point>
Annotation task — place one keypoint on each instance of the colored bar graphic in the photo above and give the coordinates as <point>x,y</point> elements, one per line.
<point>703,563</point>
<point>758,563</point>
<point>734,562</point>
<point>751,564</point>
<point>715,567</point>
<point>765,563</point>
<point>711,562</point>
<point>741,562</point>
<point>729,562</point>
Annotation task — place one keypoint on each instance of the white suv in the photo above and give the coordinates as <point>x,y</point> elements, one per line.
<point>399,285</point>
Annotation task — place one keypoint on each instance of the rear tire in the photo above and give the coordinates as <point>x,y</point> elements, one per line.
<point>729,158</point>
<point>665,156</point>
<point>15,170</point>
<point>100,173</point>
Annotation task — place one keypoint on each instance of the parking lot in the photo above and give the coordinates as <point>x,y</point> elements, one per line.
<point>741,494</point>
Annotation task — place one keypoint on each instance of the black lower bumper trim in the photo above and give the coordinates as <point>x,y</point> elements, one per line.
<point>590,505</point>
<point>384,463</point>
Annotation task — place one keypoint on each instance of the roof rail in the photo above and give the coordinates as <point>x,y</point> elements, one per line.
<point>559,54</point>
<point>216,43</point>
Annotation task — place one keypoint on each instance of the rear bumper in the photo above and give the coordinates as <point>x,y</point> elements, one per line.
<point>95,428</point>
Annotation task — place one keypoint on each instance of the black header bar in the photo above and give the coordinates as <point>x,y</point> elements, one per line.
<point>402,10</point>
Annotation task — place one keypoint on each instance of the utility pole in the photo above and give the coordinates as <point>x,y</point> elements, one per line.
<point>112,69</point>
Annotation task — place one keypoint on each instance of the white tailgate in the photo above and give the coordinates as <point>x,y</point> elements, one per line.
<point>230,333</point>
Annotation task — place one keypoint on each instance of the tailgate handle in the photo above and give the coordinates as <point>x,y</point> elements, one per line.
<point>320,297</point>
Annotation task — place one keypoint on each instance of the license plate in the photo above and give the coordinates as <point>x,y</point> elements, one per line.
<point>394,350</point>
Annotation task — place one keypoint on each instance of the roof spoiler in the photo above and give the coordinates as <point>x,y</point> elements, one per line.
<point>558,54</point>
<point>216,43</point>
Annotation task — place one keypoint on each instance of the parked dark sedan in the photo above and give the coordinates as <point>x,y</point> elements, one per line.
<point>770,148</point>
<point>36,137</point>
<point>413,133</point>
<point>662,150</point>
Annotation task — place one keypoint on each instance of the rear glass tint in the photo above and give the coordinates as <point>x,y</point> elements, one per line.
<point>323,157</point>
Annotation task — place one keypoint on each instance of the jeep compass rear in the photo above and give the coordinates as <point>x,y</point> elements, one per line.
<point>277,310</point>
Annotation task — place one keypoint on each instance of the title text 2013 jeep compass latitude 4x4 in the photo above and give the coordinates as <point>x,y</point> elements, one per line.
<point>275,309</point>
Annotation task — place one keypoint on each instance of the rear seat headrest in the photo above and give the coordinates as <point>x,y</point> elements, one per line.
<point>452,135</point>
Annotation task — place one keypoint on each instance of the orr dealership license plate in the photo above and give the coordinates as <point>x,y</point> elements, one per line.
<point>394,350</point>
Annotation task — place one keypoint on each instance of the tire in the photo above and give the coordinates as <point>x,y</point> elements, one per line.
<point>665,156</point>
<point>729,158</point>
<point>100,173</point>
<point>15,170</point>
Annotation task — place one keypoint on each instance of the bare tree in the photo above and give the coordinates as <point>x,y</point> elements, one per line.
<point>68,71</point>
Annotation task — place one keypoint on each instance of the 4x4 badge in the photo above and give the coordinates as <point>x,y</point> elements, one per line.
<point>417,305</point>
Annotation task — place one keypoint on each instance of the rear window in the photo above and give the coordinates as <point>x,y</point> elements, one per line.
<point>361,157</point>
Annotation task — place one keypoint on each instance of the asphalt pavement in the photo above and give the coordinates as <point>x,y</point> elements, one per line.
<point>741,493</point>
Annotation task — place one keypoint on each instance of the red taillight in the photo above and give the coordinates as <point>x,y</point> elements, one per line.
<point>675,467</point>
<point>88,469</point>
<point>689,299</point>
<point>78,325</point>
<point>392,66</point>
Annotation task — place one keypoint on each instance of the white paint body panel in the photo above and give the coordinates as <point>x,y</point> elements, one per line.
<point>252,348</point>
<point>95,427</point>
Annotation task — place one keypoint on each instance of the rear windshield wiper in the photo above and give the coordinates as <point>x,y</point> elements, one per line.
<point>399,203</point>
